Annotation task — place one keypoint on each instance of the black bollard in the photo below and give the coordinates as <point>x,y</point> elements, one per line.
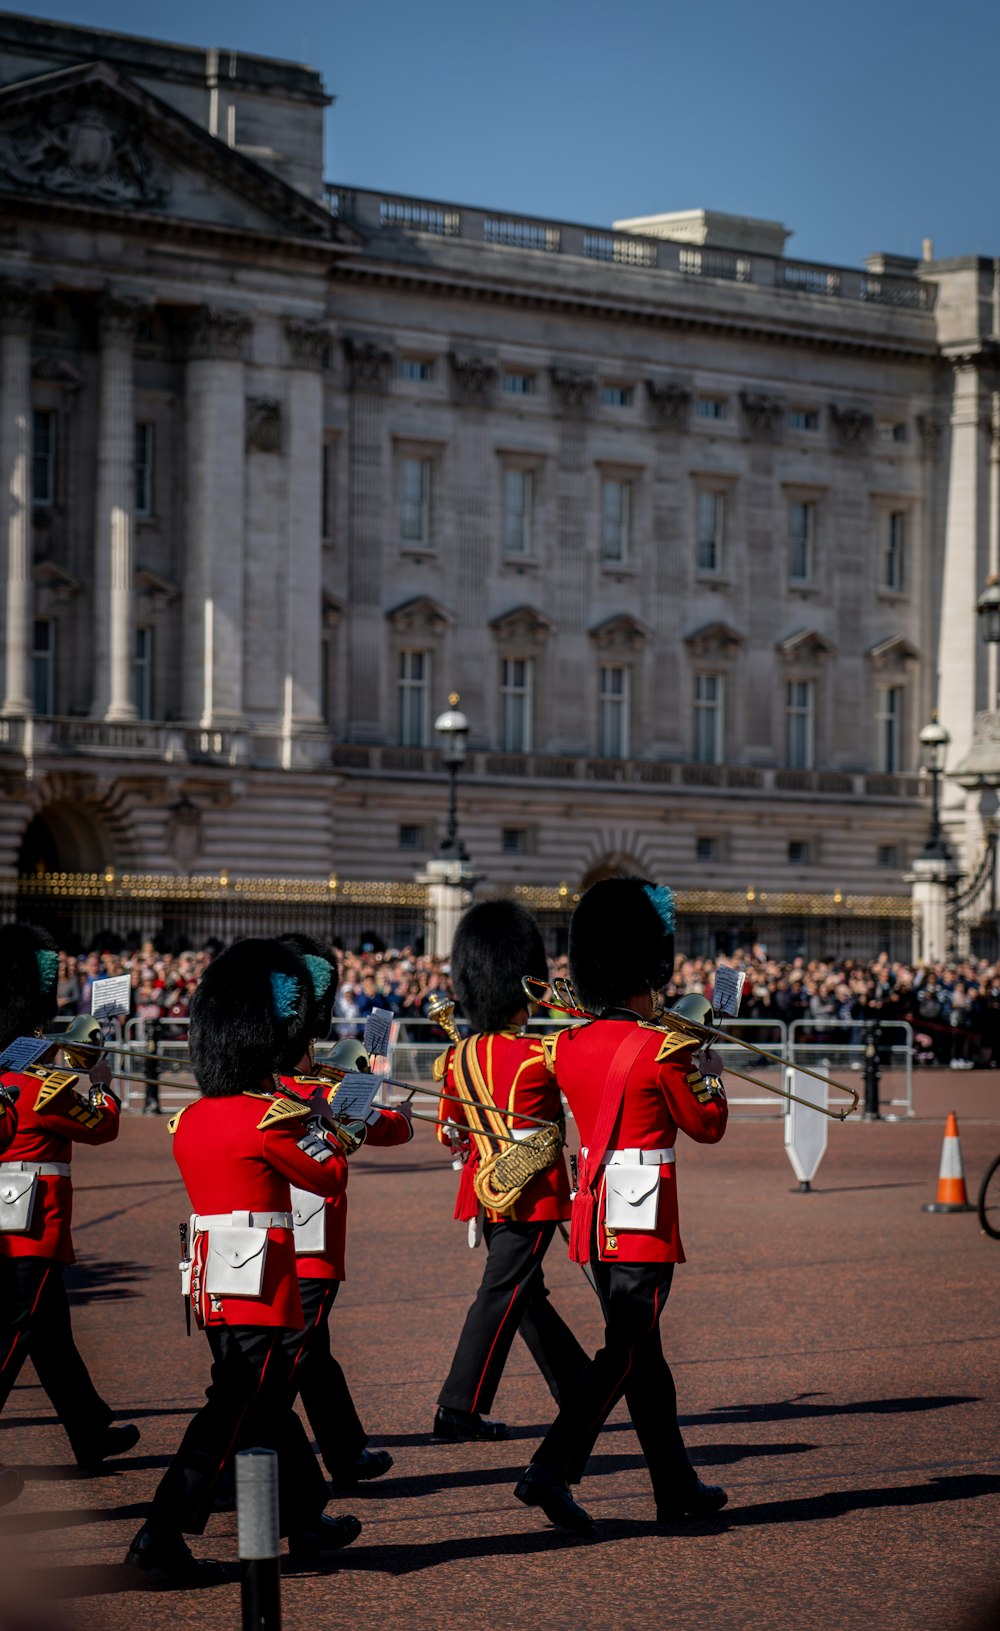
<point>257,1527</point>
<point>873,1070</point>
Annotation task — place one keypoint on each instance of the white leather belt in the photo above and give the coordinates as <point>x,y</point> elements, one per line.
<point>639,1158</point>
<point>244,1220</point>
<point>44,1169</point>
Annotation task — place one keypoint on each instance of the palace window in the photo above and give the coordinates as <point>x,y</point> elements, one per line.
<point>708,722</point>
<point>616,513</point>
<point>43,457</point>
<point>517,384</point>
<point>516,686</point>
<point>617,396</point>
<point>893,550</point>
<point>517,496</point>
<point>417,369</point>
<point>801,541</point>
<point>415,502</point>
<point>889,728</point>
<point>710,407</point>
<point>144,468</point>
<point>803,419</point>
<point>142,673</point>
<point>710,523</point>
<point>413,690</point>
<point>799,724</point>
<point>43,665</point>
<point>613,712</point>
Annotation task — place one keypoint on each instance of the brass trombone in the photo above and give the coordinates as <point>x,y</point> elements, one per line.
<point>560,998</point>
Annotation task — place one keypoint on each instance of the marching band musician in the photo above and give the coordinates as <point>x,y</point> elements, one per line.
<point>320,1241</point>
<point>630,1088</point>
<point>238,1148</point>
<point>36,1205</point>
<point>496,943</point>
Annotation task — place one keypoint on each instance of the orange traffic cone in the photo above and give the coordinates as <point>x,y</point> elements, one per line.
<point>951,1195</point>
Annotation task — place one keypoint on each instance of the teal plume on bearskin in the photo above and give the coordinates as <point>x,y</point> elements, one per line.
<point>321,963</point>
<point>29,967</point>
<point>496,944</point>
<point>621,941</point>
<point>250,1017</point>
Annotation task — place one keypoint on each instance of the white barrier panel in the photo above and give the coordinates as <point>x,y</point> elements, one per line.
<point>806,1131</point>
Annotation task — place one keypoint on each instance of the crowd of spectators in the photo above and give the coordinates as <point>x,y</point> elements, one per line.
<point>954,1009</point>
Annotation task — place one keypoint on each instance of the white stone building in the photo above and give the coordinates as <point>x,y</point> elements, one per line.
<point>694,528</point>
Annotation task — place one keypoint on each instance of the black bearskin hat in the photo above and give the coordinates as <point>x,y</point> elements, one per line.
<point>496,943</point>
<point>29,969</point>
<point>621,941</point>
<point>250,1016</point>
<point>322,965</point>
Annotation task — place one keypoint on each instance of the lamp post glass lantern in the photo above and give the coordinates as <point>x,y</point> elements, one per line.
<point>988,610</point>
<point>452,728</point>
<point>934,743</point>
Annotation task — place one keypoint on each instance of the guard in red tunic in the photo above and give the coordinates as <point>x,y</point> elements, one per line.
<point>239,1148</point>
<point>11,1482</point>
<point>320,1242</point>
<point>496,944</point>
<point>36,1203</point>
<point>630,1089</point>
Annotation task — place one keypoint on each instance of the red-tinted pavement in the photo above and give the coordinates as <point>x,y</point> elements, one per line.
<point>836,1361</point>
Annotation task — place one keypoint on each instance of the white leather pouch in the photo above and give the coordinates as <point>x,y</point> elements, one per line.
<point>631,1197</point>
<point>235,1265</point>
<point>17,1201</point>
<point>309,1213</point>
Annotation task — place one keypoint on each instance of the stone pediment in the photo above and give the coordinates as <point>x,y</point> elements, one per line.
<point>716,639</point>
<point>523,625</point>
<point>806,645</point>
<point>90,136</point>
<point>623,633</point>
<point>421,615</point>
<point>895,652</point>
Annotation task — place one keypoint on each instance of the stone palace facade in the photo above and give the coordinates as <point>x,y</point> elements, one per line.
<point>694,528</point>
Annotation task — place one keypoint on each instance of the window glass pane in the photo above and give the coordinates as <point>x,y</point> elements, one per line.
<point>43,456</point>
<point>708,719</point>
<point>42,670</point>
<point>711,508</point>
<point>516,512</point>
<point>143,469</point>
<point>414,674</point>
<point>799,725</point>
<point>614,520</point>
<point>801,524</point>
<point>518,384</point>
<point>515,705</point>
<point>415,501</point>
<point>613,711</point>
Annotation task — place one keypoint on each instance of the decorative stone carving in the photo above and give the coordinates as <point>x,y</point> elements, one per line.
<point>622,635</point>
<point>57,371</point>
<point>852,427</point>
<point>669,401</point>
<point>76,151</point>
<point>219,332</point>
<point>473,379</point>
<point>764,414</point>
<point>931,428</point>
<point>805,646</point>
<point>422,615</point>
<point>308,342</point>
<point>263,425</point>
<point>184,832</point>
<point>369,364</point>
<point>716,639</point>
<point>118,315</point>
<point>893,653</point>
<point>523,626</point>
<point>574,387</point>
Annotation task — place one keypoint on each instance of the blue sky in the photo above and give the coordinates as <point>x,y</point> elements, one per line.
<point>862,126</point>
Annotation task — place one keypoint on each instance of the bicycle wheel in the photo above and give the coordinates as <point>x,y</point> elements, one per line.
<point>988,1205</point>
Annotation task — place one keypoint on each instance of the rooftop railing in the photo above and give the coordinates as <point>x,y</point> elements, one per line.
<point>375,212</point>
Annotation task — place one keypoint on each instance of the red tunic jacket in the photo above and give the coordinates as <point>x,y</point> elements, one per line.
<point>516,1070</point>
<point>391,1128</point>
<point>238,1154</point>
<point>663,1092</point>
<point>47,1128</point>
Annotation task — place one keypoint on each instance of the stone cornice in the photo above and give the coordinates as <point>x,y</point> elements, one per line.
<point>219,332</point>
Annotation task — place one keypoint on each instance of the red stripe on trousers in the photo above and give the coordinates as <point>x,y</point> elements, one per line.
<point>496,1339</point>
<point>32,1311</point>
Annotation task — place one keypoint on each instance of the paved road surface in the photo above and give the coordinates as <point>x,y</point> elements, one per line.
<point>836,1360</point>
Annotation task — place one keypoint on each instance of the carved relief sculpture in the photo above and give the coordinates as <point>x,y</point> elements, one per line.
<point>369,364</point>
<point>308,342</point>
<point>263,425</point>
<point>765,414</point>
<point>852,427</point>
<point>75,151</point>
<point>220,332</point>
<point>669,401</point>
<point>473,379</point>
<point>574,388</point>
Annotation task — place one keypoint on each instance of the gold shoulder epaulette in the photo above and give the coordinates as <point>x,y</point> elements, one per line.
<point>549,1041</point>
<point>54,1083</point>
<point>441,1065</point>
<point>313,1081</point>
<point>172,1123</point>
<point>282,1109</point>
<point>674,1042</point>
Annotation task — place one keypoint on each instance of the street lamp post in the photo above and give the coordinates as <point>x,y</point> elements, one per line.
<point>988,613</point>
<point>453,729</point>
<point>934,743</point>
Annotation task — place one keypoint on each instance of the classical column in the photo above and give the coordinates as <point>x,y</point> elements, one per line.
<point>215,433</point>
<point>113,519</point>
<point>373,543</point>
<point>16,301</point>
<point>301,704</point>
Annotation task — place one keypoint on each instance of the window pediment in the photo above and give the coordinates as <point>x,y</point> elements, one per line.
<point>523,625</point>
<point>422,615</point>
<point>622,634</point>
<point>805,645</point>
<point>716,639</point>
<point>893,653</point>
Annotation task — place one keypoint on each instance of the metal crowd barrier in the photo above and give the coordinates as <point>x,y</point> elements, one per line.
<point>842,1043</point>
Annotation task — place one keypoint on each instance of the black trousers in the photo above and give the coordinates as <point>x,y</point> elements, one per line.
<point>631,1362</point>
<point>246,1405</point>
<point>316,1376</point>
<point>35,1324</point>
<point>512,1296</point>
